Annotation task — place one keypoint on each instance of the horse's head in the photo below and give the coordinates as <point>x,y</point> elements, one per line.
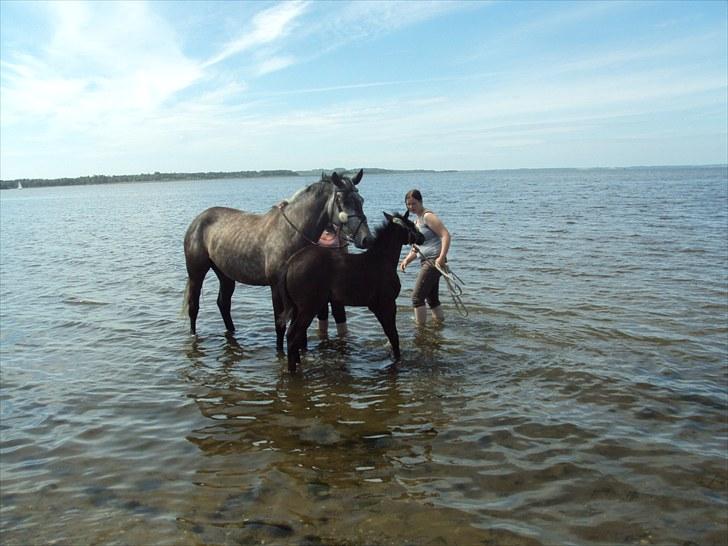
<point>347,209</point>
<point>406,229</point>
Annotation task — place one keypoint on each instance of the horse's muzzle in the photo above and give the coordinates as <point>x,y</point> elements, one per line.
<point>368,241</point>
<point>361,236</point>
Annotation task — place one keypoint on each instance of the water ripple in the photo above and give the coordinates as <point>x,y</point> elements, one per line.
<point>582,401</point>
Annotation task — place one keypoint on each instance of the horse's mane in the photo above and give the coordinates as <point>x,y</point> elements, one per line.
<point>297,194</point>
<point>311,187</point>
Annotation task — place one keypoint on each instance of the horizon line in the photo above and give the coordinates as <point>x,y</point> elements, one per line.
<point>384,170</point>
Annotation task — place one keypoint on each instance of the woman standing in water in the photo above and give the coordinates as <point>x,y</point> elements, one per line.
<point>432,252</point>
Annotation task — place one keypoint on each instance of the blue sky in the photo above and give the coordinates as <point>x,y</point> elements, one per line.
<point>124,88</point>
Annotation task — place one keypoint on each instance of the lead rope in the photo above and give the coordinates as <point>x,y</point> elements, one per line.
<point>454,283</point>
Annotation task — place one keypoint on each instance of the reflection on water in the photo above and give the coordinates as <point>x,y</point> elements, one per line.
<point>327,442</point>
<point>582,401</point>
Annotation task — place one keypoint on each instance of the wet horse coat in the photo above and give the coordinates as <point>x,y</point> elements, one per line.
<point>250,248</point>
<point>369,279</point>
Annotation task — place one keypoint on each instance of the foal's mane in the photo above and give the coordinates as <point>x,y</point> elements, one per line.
<point>387,226</point>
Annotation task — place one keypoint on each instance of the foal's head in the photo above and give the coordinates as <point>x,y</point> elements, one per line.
<point>404,229</point>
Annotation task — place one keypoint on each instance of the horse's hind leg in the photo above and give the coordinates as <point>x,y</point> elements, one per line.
<point>192,298</point>
<point>224,298</point>
<point>198,264</point>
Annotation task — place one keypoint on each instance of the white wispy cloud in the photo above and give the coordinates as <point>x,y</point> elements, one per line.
<point>109,64</point>
<point>101,60</point>
<point>359,19</point>
<point>116,79</point>
<point>266,27</point>
<point>273,64</point>
<point>112,63</point>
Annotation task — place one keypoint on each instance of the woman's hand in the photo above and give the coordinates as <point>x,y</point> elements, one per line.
<point>407,259</point>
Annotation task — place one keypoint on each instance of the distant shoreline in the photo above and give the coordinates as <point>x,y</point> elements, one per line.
<point>171,177</point>
<point>218,175</point>
<point>129,178</point>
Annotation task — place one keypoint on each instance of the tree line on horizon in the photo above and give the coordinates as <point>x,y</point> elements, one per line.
<point>145,177</point>
<point>170,177</point>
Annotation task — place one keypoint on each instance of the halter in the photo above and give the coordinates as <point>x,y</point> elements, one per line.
<point>341,216</point>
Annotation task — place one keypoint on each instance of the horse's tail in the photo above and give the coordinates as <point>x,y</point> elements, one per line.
<point>186,300</point>
<point>285,297</point>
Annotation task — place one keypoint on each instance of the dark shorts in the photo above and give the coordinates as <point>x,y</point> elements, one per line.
<point>336,309</point>
<point>427,286</point>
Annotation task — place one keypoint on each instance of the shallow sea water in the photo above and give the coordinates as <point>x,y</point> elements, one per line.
<point>582,401</point>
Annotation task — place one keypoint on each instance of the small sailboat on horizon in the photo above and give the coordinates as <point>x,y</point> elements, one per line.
<point>20,186</point>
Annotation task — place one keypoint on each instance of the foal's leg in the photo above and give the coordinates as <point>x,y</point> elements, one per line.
<point>297,338</point>
<point>294,347</point>
<point>224,298</point>
<point>387,317</point>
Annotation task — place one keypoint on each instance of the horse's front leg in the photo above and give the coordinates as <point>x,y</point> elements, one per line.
<point>387,317</point>
<point>278,309</point>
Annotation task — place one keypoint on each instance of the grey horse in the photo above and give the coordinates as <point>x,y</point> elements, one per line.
<point>250,248</point>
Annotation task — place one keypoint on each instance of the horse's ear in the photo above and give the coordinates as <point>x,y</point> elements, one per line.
<point>336,179</point>
<point>389,217</point>
<point>406,215</point>
<point>358,176</point>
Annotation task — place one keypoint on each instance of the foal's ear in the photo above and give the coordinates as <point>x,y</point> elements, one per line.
<point>358,176</point>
